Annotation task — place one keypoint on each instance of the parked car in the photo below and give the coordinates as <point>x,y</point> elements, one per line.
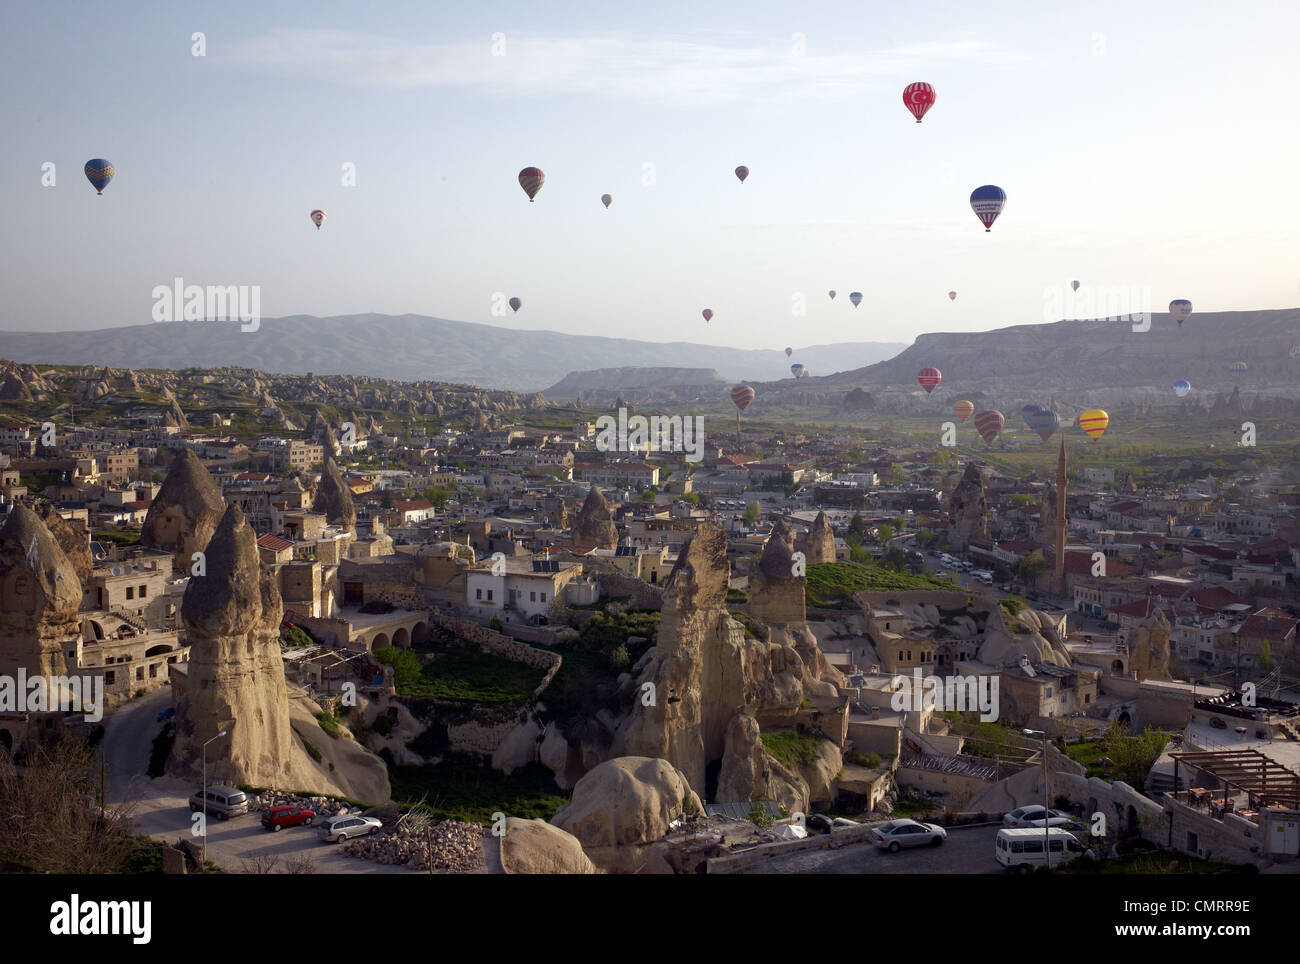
<point>1021,848</point>
<point>1034,817</point>
<point>287,815</point>
<point>897,834</point>
<point>166,714</point>
<point>1217,723</point>
<point>225,802</point>
<point>346,826</point>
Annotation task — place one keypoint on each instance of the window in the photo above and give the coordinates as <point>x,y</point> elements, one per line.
<point>543,597</point>
<point>478,593</point>
<point>489,596</point>
<point>144,591</point>
<point>1033,847</point>
<point>110,678</point>
<point>130,592</point>
<point>1048,692</point>
<point>532,597</point>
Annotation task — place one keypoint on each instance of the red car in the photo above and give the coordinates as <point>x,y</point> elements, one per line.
<point>287,815</point>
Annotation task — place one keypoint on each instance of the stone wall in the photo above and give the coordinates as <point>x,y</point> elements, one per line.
<point>615,585</point>
<point>1114,800</point>
<point>960,788</point>
<point>503,646</point>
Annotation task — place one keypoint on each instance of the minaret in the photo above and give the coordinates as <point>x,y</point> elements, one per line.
<point>1059,521</point>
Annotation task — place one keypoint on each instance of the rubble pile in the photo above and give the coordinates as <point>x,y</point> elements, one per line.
<point>457,847</point>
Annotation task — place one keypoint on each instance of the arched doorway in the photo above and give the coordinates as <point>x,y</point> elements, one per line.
<point>158,650</point>
<point>1117,667</point>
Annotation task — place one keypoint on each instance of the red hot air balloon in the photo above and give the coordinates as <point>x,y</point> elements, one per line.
<point>929,378</point>
<point>742,172</point>
<point>789,352</point>
<point>919,98</point>
<point>531,180</point>
<point>708,314</point>
<point>989,425</point>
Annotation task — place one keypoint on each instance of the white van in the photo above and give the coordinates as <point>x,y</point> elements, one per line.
<point>1021,848</point>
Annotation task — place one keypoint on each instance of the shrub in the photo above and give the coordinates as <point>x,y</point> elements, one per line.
<point>329,724</point>
<point>382,725</point>
<point>162,748</point>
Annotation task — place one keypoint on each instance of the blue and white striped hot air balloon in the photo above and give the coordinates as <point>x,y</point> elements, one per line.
<point>987,202</point>
<point>1182,387</point>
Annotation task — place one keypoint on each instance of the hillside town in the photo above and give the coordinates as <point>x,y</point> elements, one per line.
<point>758,652</point>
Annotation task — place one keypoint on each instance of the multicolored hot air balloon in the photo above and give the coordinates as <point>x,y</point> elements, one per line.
<point>99,172</point>
<point>317,217</point>
<point>606,200</point>
<point>832,294</point>
<point>855,297</point>
<point>741,396</point>
<point>919,98</point>
<point>1094,422</point>
<point>1182,387</point>
<point>516,304</point>
<point>1238,368</point>
<point>963,409</point>
<point>929,378</point>
<point>1181,309</point>
<point>789,352</point>
<point>952,296</point>
<point>531,180</point>
<point>989,425</point>
<point>1074,285</point>
<point>708,314</point>
<point>987,202</point>
<point>742,172</point>
<point>1028,410</point>
<point>796,370</point>
<point>1045,422</point>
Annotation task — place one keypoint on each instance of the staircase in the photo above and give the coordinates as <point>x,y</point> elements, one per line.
<point>130,618</point>
<point>1289,728</point>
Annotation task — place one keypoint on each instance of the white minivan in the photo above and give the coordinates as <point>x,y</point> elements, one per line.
<point>1021,848</point>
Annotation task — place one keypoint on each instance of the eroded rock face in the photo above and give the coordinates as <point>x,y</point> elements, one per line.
<point>968,509</point>
<point>594,524</point>
<point>819,545</point>
<point>334,498</point>
<point>72,539</point>
<point>236,683</point>
<point>776,594</point>
<point>1149,648</point>
<point>705,669</point>
<point>537,847</point>
<point>39,597</point>
<point>185,512</point>
<point>624,806</point>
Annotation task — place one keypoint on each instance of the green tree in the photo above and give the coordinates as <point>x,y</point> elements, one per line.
<point>857,527</point>
<point>1031,566</point>
<point>1265,656</point>
<point>753,511</point>
<point>884,532</point>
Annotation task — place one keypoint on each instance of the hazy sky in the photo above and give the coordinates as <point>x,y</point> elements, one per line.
<point>1142,145</point>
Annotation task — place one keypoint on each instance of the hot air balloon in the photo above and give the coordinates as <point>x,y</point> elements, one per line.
<point>1028,411</point>
<point>531,180</point>
<point>606,200</point>
<point>1074,285</point>
<point>963,409</point>
<point>832,294</point>
<point>1045,422</point>
<point>708,314</point>
<point>99,172</point>
<point>789,352</point>
<point>1238,367</point>
<point>741,396</point>
<point>1182,387</point>
<point>855,297</point>
<point>987,202</point>
<point>796,370</point>
<point>516,304</point>
<point>1181,309</point>
<point>989,425</point>
<point>1094,422</point>
<point>929,378</point>
<point>317,217</point>
<point>919,98</point>
<point>742,172</point>
<point>952,296</point>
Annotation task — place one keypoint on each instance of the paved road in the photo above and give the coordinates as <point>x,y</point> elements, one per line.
<point>968,850</point>
<point>128,740</point>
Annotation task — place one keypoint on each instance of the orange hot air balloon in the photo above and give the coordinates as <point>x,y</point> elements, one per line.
<point>741,396</point>
<point>989,425</point>
<point>742,172</point>
<point>929,378</point>
<point>963,409</point>
<point>1094,422</point>
<point>531,180</point>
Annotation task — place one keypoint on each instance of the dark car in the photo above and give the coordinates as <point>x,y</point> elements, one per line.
<point>287,815</point>
<point>1217,723</point>
<point>166,714</point>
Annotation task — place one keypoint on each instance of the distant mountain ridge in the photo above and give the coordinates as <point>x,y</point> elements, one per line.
<point>408,347</point>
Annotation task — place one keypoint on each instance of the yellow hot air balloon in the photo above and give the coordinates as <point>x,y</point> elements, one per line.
<point>963,409</point>
<point>1094,422</point>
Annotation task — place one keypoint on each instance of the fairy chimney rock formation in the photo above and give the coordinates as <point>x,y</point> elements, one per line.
<point>185,512</point>
<point>967,509</point>
<point>334,498</point>
<point>819,545</point>
<point>776,593</point>
<point>72,539</point>
<point>39,597</point>
<point>235,683</point>
<point>594,524</point>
